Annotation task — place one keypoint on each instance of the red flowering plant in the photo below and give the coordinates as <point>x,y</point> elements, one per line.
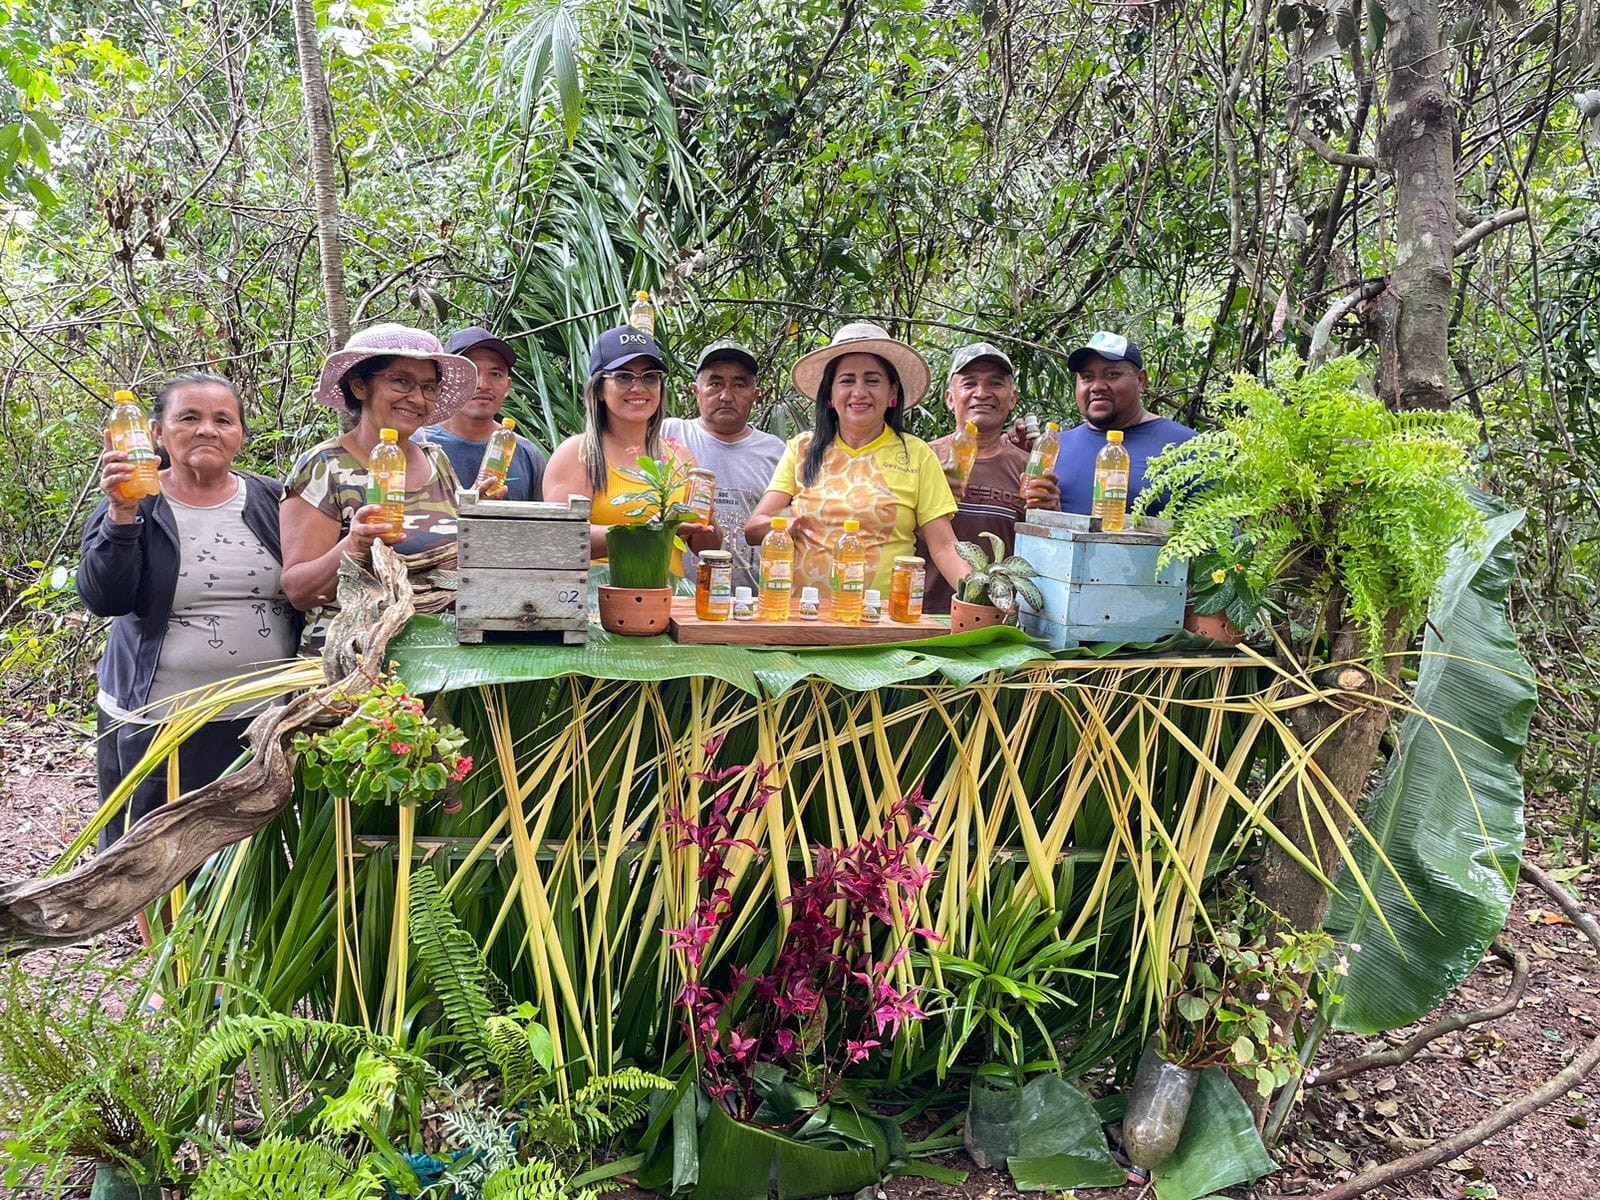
<point>828,1001</point>
<point>386,748</point>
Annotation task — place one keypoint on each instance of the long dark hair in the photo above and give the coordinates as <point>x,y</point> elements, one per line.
<point>825,420</point>
<point>594,427</point>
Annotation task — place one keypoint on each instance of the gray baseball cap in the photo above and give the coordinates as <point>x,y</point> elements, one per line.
<point>963,357</point>
<point>727,350</point>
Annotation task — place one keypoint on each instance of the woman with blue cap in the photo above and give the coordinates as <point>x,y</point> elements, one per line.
<point>622,414</point>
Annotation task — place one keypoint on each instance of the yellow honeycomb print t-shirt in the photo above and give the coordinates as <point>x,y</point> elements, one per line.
<point>893,486</point>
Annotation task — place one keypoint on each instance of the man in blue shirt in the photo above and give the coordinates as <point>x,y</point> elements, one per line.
<point>1110,389</point>
<point>465,436</point>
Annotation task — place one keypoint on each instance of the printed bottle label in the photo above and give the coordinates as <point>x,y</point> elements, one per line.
<point>1110,486</point>
<point>852,577</point>
<point>386,488</point>
<point>777,574</point>
<point>136,445</point>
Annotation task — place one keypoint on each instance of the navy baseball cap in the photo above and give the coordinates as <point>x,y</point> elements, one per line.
<point>617,346</point>
<point>476,336</point>
<point>1112,347</point>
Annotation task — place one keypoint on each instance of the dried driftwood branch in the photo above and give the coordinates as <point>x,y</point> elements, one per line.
<point>166,846</point>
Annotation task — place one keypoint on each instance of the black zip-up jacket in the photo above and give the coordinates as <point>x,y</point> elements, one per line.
<point>130,572</point>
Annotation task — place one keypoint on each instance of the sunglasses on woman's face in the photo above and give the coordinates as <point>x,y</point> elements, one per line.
<point>626,379</point>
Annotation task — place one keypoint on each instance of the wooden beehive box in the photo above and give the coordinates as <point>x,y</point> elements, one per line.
<point>523,567</point>
<point>1100,587</point>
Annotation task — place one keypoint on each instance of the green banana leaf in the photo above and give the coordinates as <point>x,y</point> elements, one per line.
<point>1220,1146</point>
<point>430,660</point>
<point>738,1162</point>
<point>1060,1144</point>
<point>1449,810</point>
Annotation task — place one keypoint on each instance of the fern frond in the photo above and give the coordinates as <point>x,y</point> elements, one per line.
<point>537,1180</point>
<point>285,1169</point>
<point>453,964</point>
<point>373,1082</point>
<point>236,1035</point>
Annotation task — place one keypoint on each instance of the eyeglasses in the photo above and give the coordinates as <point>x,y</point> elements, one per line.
<point>626,379</point>
<point>405,385</point>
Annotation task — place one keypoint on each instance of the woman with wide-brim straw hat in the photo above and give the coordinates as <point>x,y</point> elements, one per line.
<point>390,377</point>
<point>858,462</point>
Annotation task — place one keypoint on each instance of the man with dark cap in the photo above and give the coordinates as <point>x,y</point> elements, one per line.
<point>465,436</point>
<point>994,496</point>
<point>721,439</point>
<point>1110,389</point>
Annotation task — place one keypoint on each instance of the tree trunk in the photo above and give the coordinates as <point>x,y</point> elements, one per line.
<point>1346,759</point>
<point>319,132</point>
<point>1419,140</point>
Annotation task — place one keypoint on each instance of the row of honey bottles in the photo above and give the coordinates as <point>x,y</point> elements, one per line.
<point>1109,510</point>
<point>716,599</point>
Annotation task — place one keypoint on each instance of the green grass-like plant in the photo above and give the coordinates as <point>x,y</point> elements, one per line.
<point>1351,507</point>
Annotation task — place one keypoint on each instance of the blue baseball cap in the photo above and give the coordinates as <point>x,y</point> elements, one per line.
<point>1112,347</point>
<point>617,346</point>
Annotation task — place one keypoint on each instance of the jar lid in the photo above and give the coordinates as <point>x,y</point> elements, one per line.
<point>716,556</point>
<point>702,471</point>
<point>907,560</point>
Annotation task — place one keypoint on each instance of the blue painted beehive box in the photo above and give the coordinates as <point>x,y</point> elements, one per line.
<point>1100,587</point>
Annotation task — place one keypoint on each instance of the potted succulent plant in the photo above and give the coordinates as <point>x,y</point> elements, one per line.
<point>638,602</point>
<point>988,594</point>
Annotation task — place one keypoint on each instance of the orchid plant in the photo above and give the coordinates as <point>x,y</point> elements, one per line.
<point>827,1002</point>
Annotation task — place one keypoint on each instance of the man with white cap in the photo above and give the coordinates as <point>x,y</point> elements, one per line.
<point>1110,389</point>
<point>722,440</point>
<point>995,495</point>
<point>465,435</point>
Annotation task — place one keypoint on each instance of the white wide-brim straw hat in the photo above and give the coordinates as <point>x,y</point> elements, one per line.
<point>863,337</point>
<point>458,375</point>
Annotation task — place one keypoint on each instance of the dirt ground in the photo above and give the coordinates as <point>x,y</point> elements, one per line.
<point>48,794</point>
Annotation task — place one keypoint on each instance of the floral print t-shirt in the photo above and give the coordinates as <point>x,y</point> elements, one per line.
<point>894,485</point>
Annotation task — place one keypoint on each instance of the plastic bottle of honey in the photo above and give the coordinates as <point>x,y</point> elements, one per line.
<point>777,571</point>
<point>849,574</point>
<point>713,586</point>
<point>964,448</point>
<point>1109,513</point>
<point>387,487</point>
<point>643,314</point>
<point>497,455</point>
<point>1042,458</point>
<point>130,432</point>
<point>905,590</point>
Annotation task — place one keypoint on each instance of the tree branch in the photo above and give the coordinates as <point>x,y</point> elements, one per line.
<point>1404,1053</point>
<point>1555,1088</point>
<point>1340,158</point>
<point>1469,239</point>
<point>1339,310</point>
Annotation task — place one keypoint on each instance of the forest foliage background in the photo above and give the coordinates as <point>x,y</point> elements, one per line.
<point>1205,175</point>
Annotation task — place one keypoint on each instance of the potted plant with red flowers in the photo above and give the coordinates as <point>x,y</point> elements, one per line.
<point>638,601</point>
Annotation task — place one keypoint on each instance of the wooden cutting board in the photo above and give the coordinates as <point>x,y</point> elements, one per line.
<point>690,629</point>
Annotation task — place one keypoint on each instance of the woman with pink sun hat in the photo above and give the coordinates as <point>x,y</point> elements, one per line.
<point>390,377</point>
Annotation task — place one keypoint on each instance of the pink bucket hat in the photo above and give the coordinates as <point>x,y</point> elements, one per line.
<point>458,376</point>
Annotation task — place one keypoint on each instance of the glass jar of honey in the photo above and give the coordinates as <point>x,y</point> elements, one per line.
<point>713,586</point>
<point>702,492</point>
<point>905,589</point>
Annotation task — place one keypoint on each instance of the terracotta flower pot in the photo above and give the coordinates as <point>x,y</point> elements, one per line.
<point>1215,626</point>
<point>635,612</point>
<point>974,616</point>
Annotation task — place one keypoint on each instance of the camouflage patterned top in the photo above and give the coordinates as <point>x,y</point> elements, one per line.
<point>334,482</point>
